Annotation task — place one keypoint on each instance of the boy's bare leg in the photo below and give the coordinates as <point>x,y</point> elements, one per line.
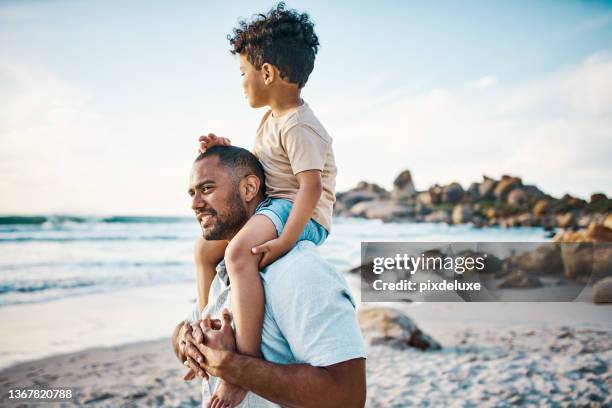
<point>207,255</point>
<point>247,295</point>
<point>247,289</point>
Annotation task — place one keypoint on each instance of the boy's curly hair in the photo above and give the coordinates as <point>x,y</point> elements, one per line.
<point>283,38</point>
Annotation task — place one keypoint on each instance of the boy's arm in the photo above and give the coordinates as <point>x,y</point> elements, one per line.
<point>306,200</point>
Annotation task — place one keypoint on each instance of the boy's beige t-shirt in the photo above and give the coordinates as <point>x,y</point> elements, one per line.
<point>293,143</point>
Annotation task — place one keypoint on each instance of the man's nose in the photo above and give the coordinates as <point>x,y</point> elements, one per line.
<point>197,202</point>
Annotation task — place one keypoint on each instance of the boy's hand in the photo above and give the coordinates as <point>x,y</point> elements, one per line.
<point>210,140</point>
<point>271,250</point>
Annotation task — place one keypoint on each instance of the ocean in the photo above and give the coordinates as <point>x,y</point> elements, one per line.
<point>49,258</point>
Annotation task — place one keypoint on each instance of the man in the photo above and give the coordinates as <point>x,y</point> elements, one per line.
<point>310,339</point>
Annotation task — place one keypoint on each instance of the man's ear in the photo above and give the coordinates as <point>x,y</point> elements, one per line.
<point>269,73</point>
<point>250,186</point>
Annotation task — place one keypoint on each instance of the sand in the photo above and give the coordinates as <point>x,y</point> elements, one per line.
<point>494,354</point>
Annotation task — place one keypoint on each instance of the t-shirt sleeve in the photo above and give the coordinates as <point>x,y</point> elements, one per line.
<point>316,314</point>
<point>306,149</point>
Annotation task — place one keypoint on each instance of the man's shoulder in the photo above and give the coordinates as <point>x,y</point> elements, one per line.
<point>304,255</point>
<point>303,265</point>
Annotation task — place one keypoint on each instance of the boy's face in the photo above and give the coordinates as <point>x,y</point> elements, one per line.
<point>253,83</point>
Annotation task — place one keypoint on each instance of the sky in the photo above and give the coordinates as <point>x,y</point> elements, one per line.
<point>103,101</point>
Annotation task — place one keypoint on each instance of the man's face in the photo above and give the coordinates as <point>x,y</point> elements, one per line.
<point>216,200</point>
<point>253,84</point>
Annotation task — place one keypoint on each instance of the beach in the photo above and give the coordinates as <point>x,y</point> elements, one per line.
<point>494,354</point>
<point>90,306</point>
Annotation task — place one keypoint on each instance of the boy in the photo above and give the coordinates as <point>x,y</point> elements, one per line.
<point>277,53</point>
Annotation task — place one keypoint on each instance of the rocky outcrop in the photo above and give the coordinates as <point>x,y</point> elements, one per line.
<point>506,202</point>
<point>390,327</point>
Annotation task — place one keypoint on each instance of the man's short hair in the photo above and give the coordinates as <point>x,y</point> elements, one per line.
<point>240,161</point>
<point>283,38</point>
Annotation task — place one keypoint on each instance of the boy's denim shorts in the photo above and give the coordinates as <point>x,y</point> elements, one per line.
<point>278,209</point>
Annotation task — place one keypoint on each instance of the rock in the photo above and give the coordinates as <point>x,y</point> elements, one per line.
<point>546,259</point>
<point>520,279</point>
<point>350,198</point>
<point>526,220</point>
<point>487,187</point>
<point>533,192</point>
<point>505,185</point>
<point>474,191</point>
<point>341,210</point>
<point>566,220</point>
<point>438,216</point>
<point>390,327</point>
<point>452,193</point>
<point>422,209</point>
<point>435,194</point>
<point>382,209</point>
<point>584,221</point>
<point>462,213</point>
<point>424,198</point>
<point>372,187</point>
<point>541,207</point>
<point>608,222</point>
<point>602,291</point>
<point>597,197</point>
<point>491,213</point>
<point>517,197</point>
<point>403,187</point>
<point>573,202</point>
<point>593,233</point>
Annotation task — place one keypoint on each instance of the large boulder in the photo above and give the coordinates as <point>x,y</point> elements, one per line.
<point>452,193</point>
<point>546,260</point>
<point>435,194</point>
<point>382,209</point>
<point>573,202</point>
<point>487,187</point>
<point>474,191</point>
<point>602,291</point>
<point>518,197</point>
<point>403,187</point>
<point>541,207</point>
<point>373,187</point>
<point>587,254</point>
<point>462,213</point>
<point>424,198</point>
<point>386,326</point>
<point>350,198</point>
<point>567,220</point>
<point>505,185</point>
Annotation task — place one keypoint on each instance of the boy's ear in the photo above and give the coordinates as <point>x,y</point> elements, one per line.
<point>269,74</point>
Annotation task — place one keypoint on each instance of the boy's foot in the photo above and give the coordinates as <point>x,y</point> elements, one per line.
<point>226,396</point>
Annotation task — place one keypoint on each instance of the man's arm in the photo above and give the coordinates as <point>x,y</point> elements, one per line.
<point>296,385</point>
<point>300,385</point>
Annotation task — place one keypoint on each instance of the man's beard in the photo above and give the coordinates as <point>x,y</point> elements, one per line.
<point>230,223</point>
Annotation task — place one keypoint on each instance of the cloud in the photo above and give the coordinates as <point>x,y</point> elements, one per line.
<point>484,82</point>
<point>553,131</point>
